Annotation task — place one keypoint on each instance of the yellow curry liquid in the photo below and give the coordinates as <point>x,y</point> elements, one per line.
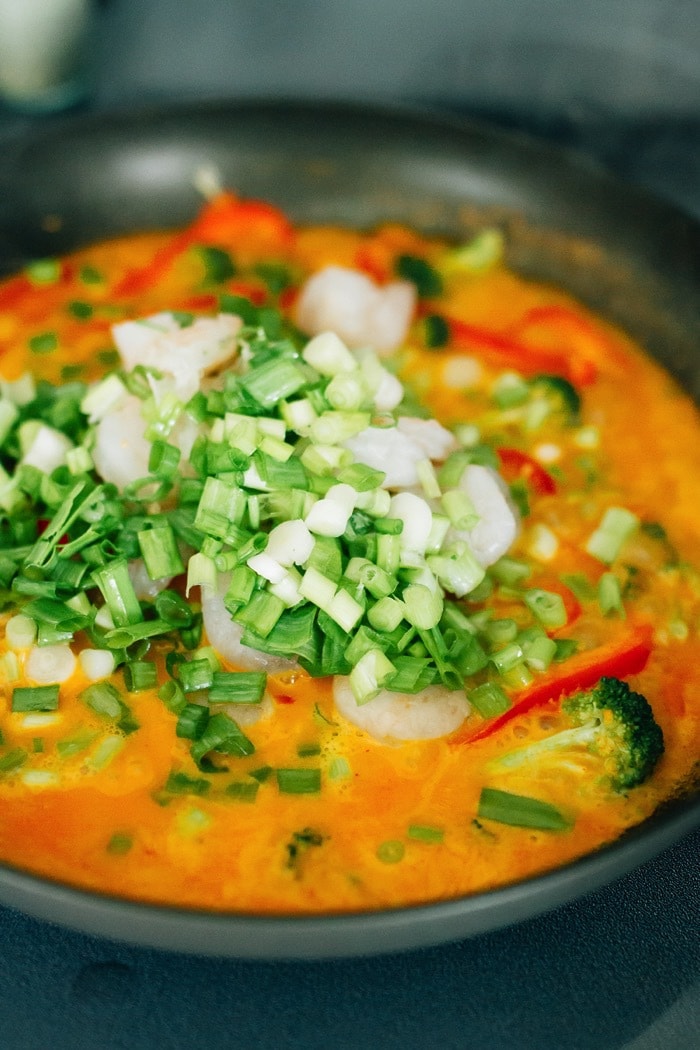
<point>354,845</point>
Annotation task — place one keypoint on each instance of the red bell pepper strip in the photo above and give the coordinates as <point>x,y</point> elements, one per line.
<point>140,280</point>
<point>375,263</point>
<point>517,464</point>
<point>14,290</point>
<point>223,221</point>
<point>583,337</point>
<point>515,353</point>
<point>620,657</point>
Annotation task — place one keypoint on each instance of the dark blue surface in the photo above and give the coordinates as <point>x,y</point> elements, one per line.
<point>620,968</point>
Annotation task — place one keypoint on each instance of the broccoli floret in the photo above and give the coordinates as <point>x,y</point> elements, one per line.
<point>613,723</point>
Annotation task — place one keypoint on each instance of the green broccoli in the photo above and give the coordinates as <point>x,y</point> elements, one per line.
<point>613,723</point>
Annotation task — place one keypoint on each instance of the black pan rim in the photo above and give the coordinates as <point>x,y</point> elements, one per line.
<point>353,933</point>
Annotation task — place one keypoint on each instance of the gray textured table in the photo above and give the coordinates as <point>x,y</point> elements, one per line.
<point>618,969</point>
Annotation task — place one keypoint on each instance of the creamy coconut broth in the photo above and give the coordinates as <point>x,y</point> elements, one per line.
<point>339,570</point>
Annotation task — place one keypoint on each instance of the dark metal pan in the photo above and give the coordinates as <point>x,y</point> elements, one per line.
<point>627,255</point>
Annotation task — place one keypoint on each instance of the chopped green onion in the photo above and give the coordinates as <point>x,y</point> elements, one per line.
<point>369,675</point>
<point>261,613</point>
<point>12,760</point>
<point>539,652</point>
<point>423,606</point>
<point>547,606</point>
<point>521,811</point>
<point>35,698</point>
<point>218,264</point>
<point>122,637</point>
<point>298,781</point>
<point>237,687</point>
<point>90,275</point>
<point>339,768</point>
<point>160,552</point>
<point>489,699</point>
<point>479,254</point>
<point>139,675</point>
<point>192,721</point>
<point>173,696</point>
<point>508,658</point>
<point>509,571</point>
<point>426,279</point>
<point>579,585</point>
<point>43,271</point>
<point>172,607</point>
<point>243,790</point>
<point>224,735</point>
<point>80,310</point>
<point>617,525</point>
<point>196,675</point>
<point>426,833</point>
<point>391,852</point>
<point>120,844</point>
<point>274,381</point>
<point>610,595</point>
<point>104,699</point>
<point>43,343</point>
<point>386,614</point>
<point>329,355</point>
<point>75,744</point>
<point>20,631</point>
<point>436,331</point>
<point>107,750</point>
<point>308,750</point>
<point>118,592</point>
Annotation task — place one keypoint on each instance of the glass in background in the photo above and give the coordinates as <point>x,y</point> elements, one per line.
<point>44,53</point>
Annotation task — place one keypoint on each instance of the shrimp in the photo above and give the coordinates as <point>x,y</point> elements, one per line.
<point>185,354</point>
<point>121,450</point>
<point>398,450</point>
<point>361,312</point>
<point>497,526</point>
<point>432,713</point>
<point>145,588</point>
<point>225,636</point>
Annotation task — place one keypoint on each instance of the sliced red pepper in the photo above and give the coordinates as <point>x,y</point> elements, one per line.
<point>227,220</point>
<point>515,353</point>
<point>205,301</point>
<point>624,655</point>
<point>14,290</point>
<point>223,221</point>
<point>141,280</point>
<point>517,464</point>
<point>375,261</point>
<point>583,337</point>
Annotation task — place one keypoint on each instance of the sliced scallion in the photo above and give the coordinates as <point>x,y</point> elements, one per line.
<point>300,781</point>
<point>521,811</point>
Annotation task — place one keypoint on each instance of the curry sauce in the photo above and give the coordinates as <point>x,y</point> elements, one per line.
<point>121,807</point>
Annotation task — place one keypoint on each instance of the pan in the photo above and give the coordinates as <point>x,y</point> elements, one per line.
<point>632,258</point>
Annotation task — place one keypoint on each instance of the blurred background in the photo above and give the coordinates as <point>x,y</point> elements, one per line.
<point>618,79</point>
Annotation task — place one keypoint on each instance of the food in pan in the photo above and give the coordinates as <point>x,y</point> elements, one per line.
<point>340,570</point>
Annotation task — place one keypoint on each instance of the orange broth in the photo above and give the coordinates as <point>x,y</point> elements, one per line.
<point>391,825</point>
